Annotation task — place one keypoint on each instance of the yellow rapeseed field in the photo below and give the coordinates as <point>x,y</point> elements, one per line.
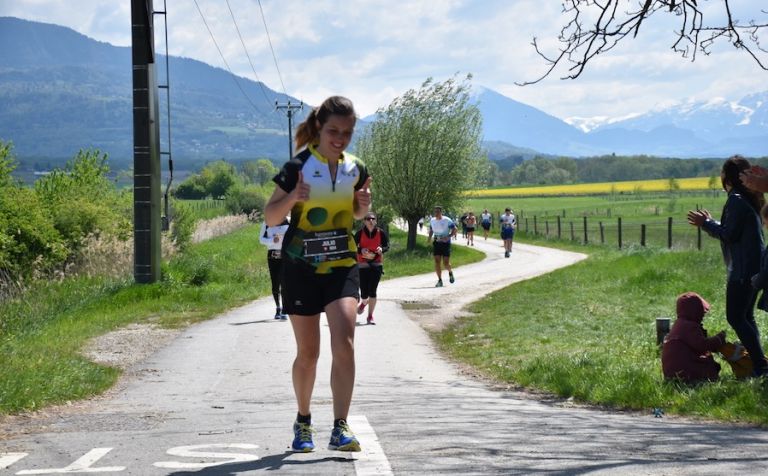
<point>635,186</point>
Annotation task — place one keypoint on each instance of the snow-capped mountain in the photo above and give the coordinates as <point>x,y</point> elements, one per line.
<point>713,128</point>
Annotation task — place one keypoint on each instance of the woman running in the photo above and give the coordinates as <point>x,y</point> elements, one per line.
<point>372,243</point>
<point>325,189</point>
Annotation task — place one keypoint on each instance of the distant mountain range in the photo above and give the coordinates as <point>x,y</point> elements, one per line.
<point>691,129</point>
<point>61,91</point>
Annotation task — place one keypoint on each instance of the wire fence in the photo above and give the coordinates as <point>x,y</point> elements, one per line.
<point>668,232</point>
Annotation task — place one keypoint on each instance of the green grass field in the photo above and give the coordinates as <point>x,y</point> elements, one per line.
<point>540,214</point>
<point>588,332</point>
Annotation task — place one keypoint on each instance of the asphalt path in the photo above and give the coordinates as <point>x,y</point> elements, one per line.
<point>218,400</point>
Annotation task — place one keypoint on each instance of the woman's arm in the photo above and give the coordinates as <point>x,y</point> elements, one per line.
<point>735,214</point>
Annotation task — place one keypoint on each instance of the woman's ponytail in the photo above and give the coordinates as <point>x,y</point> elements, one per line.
<point>307,130</point>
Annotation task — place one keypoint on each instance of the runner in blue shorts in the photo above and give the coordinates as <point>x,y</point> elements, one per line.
<point>508,223</point>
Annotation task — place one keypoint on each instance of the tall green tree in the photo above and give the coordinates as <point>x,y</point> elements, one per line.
<point>424,150</point>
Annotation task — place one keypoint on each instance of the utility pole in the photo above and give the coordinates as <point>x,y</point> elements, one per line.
<point>289,108</point>
<point>146,147</point>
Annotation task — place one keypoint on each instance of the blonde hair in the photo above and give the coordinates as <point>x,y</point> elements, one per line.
<point>308,131</point>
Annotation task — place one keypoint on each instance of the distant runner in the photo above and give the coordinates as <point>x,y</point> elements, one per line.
<point>372,243</point>
<point>442,229</point>
<point>272,238</point>
<point>486,219</point>
<point>508,223</point>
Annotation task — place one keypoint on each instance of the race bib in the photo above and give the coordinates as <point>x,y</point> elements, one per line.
<point>274,254</point>
<point>326,245</point>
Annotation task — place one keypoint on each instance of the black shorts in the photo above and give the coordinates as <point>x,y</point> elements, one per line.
<point>441,248</point>
<point>486,225</point>
<point>306,293</point>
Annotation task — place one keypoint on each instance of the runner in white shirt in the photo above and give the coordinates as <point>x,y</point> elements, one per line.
<point>485,221</point>
<point>508,223</point>
<point>441,230</point>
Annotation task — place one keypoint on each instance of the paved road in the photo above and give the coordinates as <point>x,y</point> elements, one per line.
<point>218,401</point>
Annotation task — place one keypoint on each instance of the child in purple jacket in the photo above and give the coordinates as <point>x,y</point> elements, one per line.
<point>687,351</point>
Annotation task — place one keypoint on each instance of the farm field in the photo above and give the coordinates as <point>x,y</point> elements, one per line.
<point>631,186</point>
<point>539,215</point>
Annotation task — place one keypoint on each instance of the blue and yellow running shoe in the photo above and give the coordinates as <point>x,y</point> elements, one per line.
<point>342,438</point>
<point>302,441</point>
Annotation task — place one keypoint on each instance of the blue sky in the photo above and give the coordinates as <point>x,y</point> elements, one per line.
<point>374,50</point>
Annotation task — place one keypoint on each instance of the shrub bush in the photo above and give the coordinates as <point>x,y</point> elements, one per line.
<point>247,199</point>
<point>29,241</point>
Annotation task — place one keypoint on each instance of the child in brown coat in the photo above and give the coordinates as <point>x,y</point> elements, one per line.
<point>687,351</point>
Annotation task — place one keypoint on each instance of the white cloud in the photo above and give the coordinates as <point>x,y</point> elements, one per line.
<point>374,50</point>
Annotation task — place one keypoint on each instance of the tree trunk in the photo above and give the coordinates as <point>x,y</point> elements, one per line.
<point>413,226</point>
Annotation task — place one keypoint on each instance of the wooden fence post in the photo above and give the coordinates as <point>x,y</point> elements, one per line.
<point>586,237</point>
<point>602,233</point>
<point>619,232</point>
<point>573,236</point>
<point>669,233</point>
<point>558,228</point>
<point>535,226</point>
<point>642,235</point>
<point>546,228</point>
<point>698,238</point>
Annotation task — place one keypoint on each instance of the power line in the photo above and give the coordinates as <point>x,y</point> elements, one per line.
<point>263,19</point>
<point>261,84</point>
<point>234,78</point>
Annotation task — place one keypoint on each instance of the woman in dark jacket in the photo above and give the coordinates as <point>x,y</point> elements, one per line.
<point>741,240</point>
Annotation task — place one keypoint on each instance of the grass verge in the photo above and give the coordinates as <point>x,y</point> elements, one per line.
<point>588,332</point>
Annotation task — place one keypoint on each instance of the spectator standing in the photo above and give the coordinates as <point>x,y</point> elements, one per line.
<point>741,240</point>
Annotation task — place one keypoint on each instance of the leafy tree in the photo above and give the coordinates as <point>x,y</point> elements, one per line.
<point>247,199</point>
<point>259,171</point>
<point>218,177</point>
<point>28,239</point>
<point>424,150</point>
<point>595,27</point>
<point>83,200</point>
<point>192,188</point>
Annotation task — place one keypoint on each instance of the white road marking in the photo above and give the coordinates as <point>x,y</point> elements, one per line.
<point>372,461</point>
<point>7,459</point>
<point>191,452</point>
<point>82,465</point>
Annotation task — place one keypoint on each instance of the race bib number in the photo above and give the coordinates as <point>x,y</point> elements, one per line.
<point>326,245</point>
<point>274,254</point>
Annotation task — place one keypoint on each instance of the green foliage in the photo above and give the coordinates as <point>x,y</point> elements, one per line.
<point>258,172</point>
<point>7,164</point>
<point>424,149</point>
<point>182,224</point>
<point>214,180</point>
<point>193,188</point>
<point>83,201</point>
<point>247,199</point>
<point>218,177</point>
<point>28,239</point>
<point>513,170</point>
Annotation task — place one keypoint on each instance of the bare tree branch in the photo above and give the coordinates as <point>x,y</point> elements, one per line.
<point>581,40</point>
